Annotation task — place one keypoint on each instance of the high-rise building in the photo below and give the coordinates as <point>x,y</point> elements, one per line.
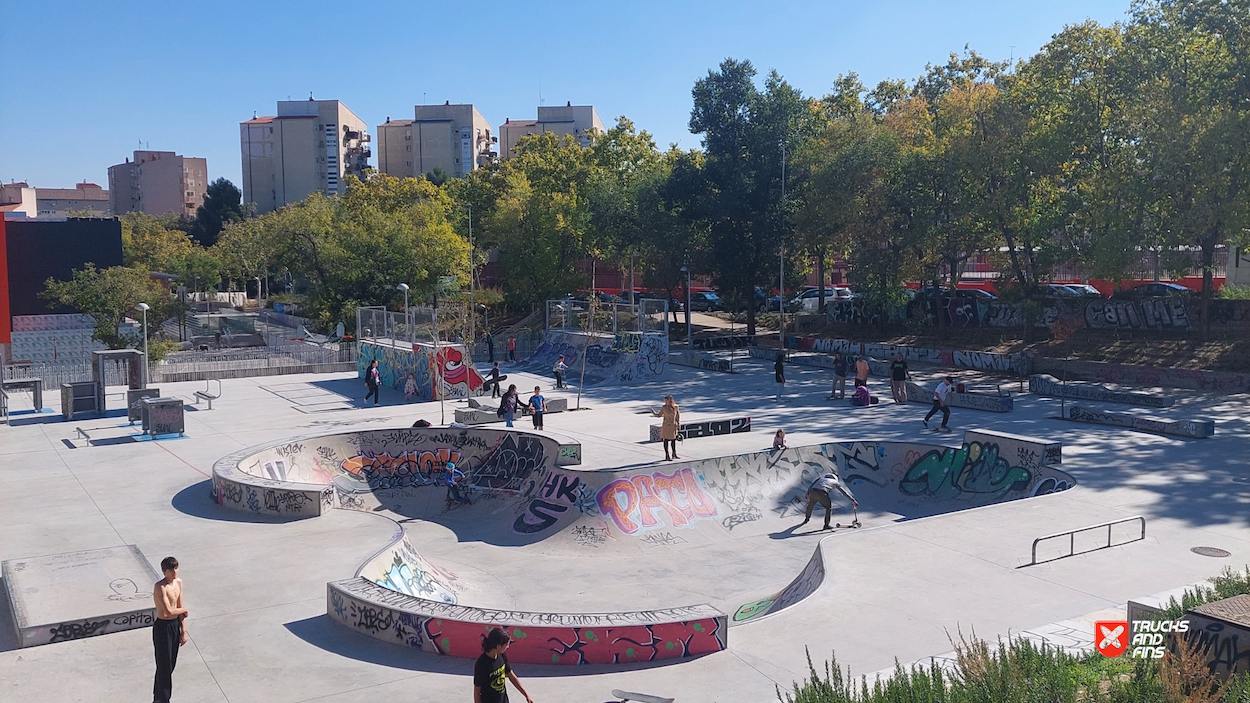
<point>158,183</point>
<point>309,147</point>
<point>455,138</point>
<point>578,120</point>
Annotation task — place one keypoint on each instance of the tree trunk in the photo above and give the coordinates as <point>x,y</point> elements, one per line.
<point>751,312</point>
<point>1208,283</point>
<point>820,276</point>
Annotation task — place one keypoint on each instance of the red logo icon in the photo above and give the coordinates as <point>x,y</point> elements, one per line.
<point>1111,637</point>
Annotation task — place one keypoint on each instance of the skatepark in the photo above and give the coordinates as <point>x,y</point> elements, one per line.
<point>323,560</point>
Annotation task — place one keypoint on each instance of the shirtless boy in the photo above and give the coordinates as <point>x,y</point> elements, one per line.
<point>168,632</point>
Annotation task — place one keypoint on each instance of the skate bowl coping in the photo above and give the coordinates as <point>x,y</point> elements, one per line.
<point>307,475</point>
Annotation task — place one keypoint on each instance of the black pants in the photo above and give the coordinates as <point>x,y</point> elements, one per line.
<point>559,379</point>
<point>165,637</point>
<point>814,498</point>
<point>946,412</point>
<point>490,349</point>
<point>512,355</point>
<point>667,443</point>
<point>494,389</point>
<point>538,421</point>
<point>373,393</point>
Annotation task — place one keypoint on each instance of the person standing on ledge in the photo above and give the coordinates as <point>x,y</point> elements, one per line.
<point>670,427</point>
<point>779,374</point>
<point>492,671</point>
<point>168,632</point>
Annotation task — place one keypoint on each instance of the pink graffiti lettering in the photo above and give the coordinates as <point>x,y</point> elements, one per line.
<point>632,502</point>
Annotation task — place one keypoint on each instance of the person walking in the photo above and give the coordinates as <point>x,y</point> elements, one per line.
<point>779,374</point>
<point>861,371</point>
<point>512,349</point>
<point>537,405</point>
<point>493,379</point>
<point>372,382</point>
<point>899,375</point>
<point>492,671</point>
<point>839,377</point>
<point>819,492</point>
<point>670,427</point>
<point>507,406</point>
<point>490,347</point>
<point>941,395</point>
<point>558,369</point>
<point>169,631</point>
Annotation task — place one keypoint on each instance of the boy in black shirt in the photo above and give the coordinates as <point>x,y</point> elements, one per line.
<point>898,379</point>
<point>492,670</point>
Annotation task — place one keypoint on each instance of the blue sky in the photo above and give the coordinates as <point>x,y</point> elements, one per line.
<point>84,81</point>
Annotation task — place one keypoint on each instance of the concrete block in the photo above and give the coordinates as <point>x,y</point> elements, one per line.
<point>707,428</point>
<point>700,361</point>
<point>1216,628</point>
<point>70,596</point>
<point>1042,384</point>
<point>1194,429</point>
<point>1028,452</point>
<point>473,416</point>
<point>971,401</point>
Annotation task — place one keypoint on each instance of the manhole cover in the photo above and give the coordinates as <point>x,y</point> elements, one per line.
<point>1211,552</point>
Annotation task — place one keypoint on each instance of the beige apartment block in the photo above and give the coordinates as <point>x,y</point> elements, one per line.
<point>455,138</point>
<point>83,200</point>
<point>158,183</point>
<point>578,120</point>
<point>309,147</point>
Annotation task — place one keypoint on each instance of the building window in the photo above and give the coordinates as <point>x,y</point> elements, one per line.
<point>408,147</point>
<point>407,163</point>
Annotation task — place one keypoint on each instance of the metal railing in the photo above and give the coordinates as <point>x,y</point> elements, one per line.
<point>1071,535</point>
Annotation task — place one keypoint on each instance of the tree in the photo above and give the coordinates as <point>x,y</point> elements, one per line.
<point>222,205</point>
<point>109,296</point>
<point>438,176</point>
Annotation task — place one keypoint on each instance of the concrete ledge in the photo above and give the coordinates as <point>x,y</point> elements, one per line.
<point>708,428</point>
<point>159,376</point>
<point>1042,384</point>
<point>62,597</point>
<point>972,401</point>
<point>700,361</point>
<point>537,638</point>
<point>1225,381</point>
<point>876,367</point>
<point>1194,429</point>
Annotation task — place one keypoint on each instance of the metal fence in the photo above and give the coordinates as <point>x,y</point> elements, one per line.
<point>572,315</point>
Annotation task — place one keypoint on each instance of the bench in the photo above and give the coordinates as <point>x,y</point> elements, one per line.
<point>206,395</point>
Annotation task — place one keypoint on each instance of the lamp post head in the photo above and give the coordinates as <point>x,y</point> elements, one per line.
<point>685,270</point>
<point>403,287</point>
<point>143,307</point>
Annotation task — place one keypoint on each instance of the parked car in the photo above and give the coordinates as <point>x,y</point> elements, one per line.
<point>705,301</point>
<point>926,293</point>
<point>1058,290</point>
<point>1152,290</point>
<point>1085,290</point>
<point>809,299</point>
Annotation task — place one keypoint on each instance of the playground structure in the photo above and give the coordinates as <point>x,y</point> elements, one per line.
<point>525,495</point>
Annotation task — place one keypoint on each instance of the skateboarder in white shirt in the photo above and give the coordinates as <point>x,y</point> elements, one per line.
<point>818,494</point>
<point>941,395</point>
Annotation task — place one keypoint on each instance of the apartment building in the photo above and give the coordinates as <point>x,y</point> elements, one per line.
<point>158,183</point>
<point>577,120</point>
<point>309,147</point>
<point>455,138</point>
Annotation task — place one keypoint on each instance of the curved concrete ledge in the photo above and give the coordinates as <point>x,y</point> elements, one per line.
<point>537,638</point>
<point>305,475</point>
<point>803,585</point>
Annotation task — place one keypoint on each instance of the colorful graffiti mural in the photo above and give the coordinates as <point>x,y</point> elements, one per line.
<point>632,502</point>
<point>456,375</point>
<point>412,468</point>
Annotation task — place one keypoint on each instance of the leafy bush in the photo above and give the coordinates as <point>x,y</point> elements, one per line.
<point>1234,292</point>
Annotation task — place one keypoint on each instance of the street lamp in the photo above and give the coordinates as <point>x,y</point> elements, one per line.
<point>143,308</point>
<point>486,313</point>
<point>407,327</point>
<point>686,270</point>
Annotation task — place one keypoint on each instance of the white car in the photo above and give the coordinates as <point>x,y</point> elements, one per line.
<point>809,299</point>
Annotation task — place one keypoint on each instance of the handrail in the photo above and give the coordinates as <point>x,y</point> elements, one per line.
<point>1071,535</point>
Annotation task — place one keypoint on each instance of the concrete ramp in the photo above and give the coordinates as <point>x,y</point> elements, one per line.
<point>623,358</point>
<point>62,597</point>
<point>707,521</point>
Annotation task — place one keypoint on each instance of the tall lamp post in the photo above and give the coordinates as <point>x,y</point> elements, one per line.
<point>686,270</point>
<point>143,308</point>
<point>781,275</point>
<point>407,326</point>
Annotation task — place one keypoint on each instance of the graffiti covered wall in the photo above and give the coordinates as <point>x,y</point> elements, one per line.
<point>627,357</point>
<point>980,361</point>
<point>456,375</point>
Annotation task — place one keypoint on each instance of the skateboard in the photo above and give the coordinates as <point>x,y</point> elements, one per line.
<point>638,697</point>
<point>943,430</point>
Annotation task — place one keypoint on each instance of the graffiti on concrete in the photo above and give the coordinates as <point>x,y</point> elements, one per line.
<point>408,573</point>
<point>726,342</point>
<point>1224,646</point>
<point>558,493</point>
<point>456,375</point>
<point>1150,313</point>
<point>517,457</point>
<point>537,638</point>
<point>801,587</point>
<point>707,428</point>
<point>641,502</point>
<point>1042,384</point>
<point>403,469</point>
<point>980,361</point>
<point>1196,429</point>
<point>974,468</point>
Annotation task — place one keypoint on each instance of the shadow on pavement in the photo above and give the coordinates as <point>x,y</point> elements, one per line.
<point>196,500</point>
